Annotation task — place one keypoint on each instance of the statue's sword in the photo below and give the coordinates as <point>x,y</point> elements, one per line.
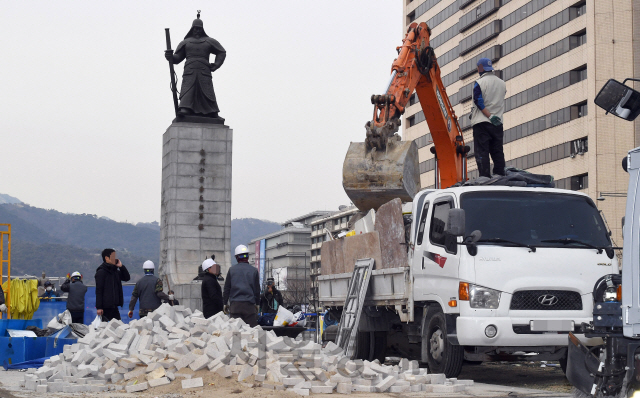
<point>174,89</point>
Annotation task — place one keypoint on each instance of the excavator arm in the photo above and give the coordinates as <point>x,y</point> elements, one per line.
<point>385,167</point>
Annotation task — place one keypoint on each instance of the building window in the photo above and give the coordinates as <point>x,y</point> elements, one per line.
<point>422,8</point>
<point>574,183</point>
<point>579,147</point>
<point>479,13</point>
<point>546,88</point>
<point>546,54</point>
<point>476,39</point>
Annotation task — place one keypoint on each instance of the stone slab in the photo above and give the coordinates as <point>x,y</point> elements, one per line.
<point>332,256</point>
<point>361,246</point>
<point>390,227</point>
<point>192,383</point>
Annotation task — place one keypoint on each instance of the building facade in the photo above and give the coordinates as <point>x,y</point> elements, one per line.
<point>287,257</point>
<point>554,56</point>
<point>333,224</point>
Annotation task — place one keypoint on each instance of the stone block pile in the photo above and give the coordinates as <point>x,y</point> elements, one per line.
<point>152,351</point>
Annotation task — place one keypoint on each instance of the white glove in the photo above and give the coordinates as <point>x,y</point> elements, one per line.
<point>171,297</point>
<point>3,308</point>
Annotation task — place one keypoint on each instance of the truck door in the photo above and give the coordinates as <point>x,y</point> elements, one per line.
<point>439,258</point>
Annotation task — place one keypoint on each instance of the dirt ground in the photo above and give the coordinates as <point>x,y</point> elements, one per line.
<point>519,374</point>
<point>527,375</point>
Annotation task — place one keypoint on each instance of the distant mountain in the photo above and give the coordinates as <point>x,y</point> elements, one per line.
<point>8,199</point>
<point>59,243</point>
<point>152,225</point>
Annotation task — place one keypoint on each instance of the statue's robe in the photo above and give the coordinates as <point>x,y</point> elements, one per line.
<point>196,92</point>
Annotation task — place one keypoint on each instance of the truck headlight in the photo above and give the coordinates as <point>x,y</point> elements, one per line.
<point>483,297</point>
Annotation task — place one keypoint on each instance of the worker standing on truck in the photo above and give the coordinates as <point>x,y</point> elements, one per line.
<point>149,290</point>
<point>242,289</point>
<point>486,118</point>
<point>75,300</point>
<point>211,291</point>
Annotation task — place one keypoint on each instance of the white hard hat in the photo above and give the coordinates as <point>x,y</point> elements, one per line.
<point>148,265</point>
<point>241,249</point>
<point>76,274</point>
<point>208,263</point>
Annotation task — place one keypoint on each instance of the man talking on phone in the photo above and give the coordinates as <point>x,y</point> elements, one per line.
<point>109,277</point>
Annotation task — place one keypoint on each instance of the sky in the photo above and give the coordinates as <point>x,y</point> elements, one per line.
<point>86,99</point>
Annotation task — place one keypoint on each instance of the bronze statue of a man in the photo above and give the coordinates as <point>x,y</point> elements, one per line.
<point>196,94</point>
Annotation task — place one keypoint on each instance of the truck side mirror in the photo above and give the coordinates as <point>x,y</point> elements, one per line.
<point>619,100</point>
<point>456,222</point>
<point>473,238</point>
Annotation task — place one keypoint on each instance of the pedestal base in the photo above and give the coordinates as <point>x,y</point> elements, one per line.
<point>189,294</point>
<point>195,220</point>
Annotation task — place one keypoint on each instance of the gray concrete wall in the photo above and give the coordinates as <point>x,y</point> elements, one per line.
<point>195,216</point>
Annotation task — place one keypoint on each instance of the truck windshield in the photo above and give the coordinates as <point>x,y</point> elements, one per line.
<point>535,218</point>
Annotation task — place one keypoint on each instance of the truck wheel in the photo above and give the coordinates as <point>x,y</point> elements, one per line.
<point>380,346</point>
<point>437,352</point>
<point>371,346</point>
<point>363,346</point>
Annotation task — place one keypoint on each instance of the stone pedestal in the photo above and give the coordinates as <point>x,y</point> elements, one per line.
<point>195,216</point>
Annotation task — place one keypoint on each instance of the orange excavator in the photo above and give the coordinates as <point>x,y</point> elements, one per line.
<point>383,167</point>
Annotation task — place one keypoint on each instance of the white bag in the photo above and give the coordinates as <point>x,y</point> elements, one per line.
<point>63,319</point>
<point>300,319</point>
<point>96,322</point>
<point>283,317</point>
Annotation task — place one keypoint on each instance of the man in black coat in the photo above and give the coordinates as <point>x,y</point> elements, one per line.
<point>75,300</point>
<point>109,277</point>
<point>211,291</point>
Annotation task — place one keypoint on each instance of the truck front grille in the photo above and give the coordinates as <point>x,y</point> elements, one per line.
<point>546,300</point>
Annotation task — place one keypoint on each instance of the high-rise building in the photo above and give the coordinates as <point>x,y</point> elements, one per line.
<point>554,56</point>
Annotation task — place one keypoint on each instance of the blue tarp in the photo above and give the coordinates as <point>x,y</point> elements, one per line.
<point>34,363</point>
<point>50,309</point>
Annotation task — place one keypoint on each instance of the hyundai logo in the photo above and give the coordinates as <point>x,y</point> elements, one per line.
<point>548,299</point>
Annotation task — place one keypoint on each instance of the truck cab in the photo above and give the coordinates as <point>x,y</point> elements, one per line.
<point>517,278</point>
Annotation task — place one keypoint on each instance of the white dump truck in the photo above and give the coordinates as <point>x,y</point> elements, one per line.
<point>476,273</point>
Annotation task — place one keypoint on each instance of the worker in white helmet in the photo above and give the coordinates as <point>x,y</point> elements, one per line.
<point>211,291</point>
<point>242,289</point>
<point>149,290</point>
<point>75,300</point>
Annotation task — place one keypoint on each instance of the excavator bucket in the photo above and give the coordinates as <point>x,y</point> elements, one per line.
<point>373,178</point>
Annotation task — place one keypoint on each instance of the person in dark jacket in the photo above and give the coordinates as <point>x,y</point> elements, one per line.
<point>75,299</point>
<point>271,299</point>
<point>50,292</point>
<point>149,290</point>
<point>242,289</point>
<point>211,291</point>
<point>109,277</point>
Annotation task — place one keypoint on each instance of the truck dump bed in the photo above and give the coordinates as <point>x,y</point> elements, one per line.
<point>386,287</point>
<point>390,283</point>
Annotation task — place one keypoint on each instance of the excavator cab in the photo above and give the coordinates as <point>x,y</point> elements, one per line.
<point>384,167</point>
